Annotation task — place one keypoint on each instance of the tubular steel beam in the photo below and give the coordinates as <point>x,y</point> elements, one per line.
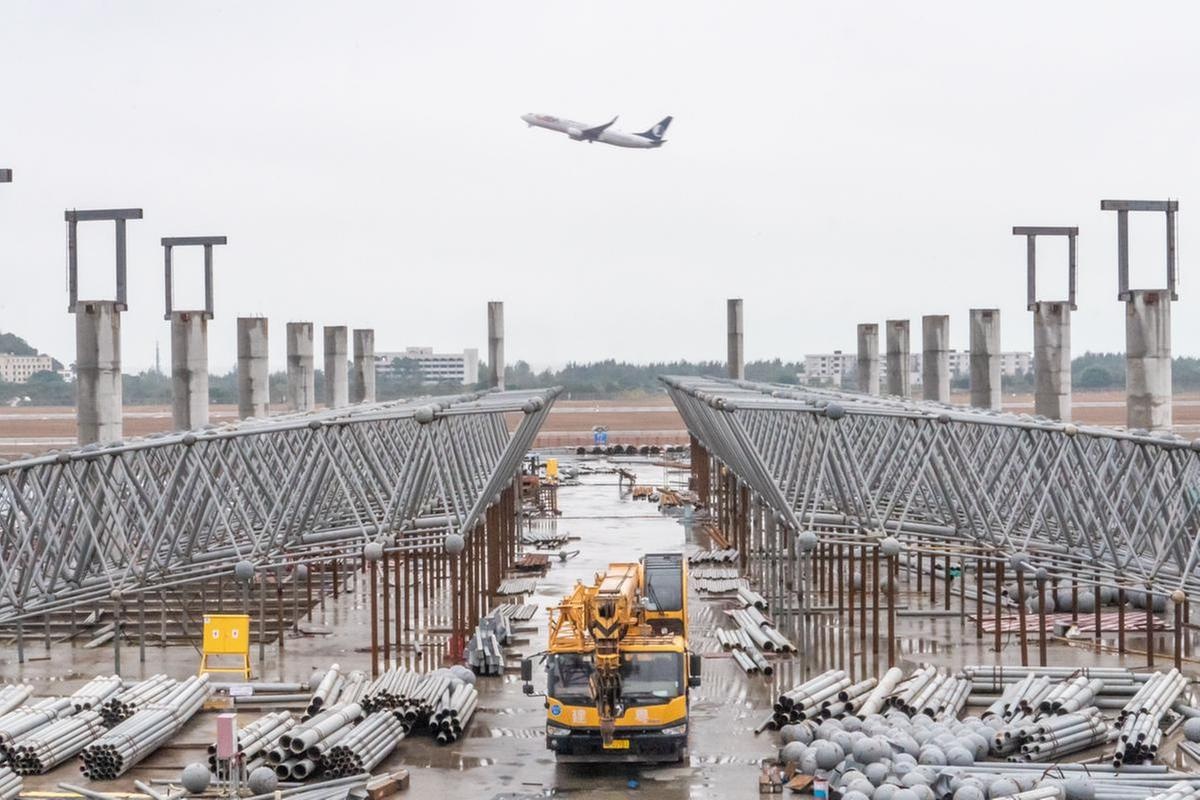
<point>998,484</point>
<point>77,526</point>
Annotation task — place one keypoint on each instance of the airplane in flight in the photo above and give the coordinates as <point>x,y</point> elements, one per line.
<point>600,133</point>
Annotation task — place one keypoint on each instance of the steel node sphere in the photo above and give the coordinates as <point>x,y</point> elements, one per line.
<point>243,571</point>
<point>455,544</point>
<point>263,780</point>
<point>195,778</point>
<point>890,546</point>
<point>373,551</point>
<point>806,541</point>
<point>834,411</point>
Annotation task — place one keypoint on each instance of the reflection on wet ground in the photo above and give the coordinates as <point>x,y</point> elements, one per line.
<point>504,750</point>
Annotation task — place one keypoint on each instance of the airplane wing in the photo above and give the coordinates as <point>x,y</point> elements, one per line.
<point>594,133</point>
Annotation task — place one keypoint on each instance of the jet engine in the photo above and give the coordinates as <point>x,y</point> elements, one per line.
<point>575,133</point>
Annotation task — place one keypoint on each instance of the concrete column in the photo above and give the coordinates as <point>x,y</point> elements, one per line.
<point>935,357</point>
<point>1148,359</point>
<point>1052,360</point>
<point>254,375</point>
<point>898,358</point>
<point>985,358</point>
<point>868,358</point>
<point>495,317</point>
<point>736,354</point>
<point>301,385</point>
<point>189,369</point>
<point>362,383</point>
<point>337,357</point>
<point>98,371</point>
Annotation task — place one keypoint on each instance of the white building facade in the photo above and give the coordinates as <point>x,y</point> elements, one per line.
<point>461,368</point>
<point>19,369</point>
<point>834,367</point>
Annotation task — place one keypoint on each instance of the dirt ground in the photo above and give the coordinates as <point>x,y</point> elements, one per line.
<point>643,421</point>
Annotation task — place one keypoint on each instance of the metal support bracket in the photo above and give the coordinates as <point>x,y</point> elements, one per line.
<point>1031,232</point>
<point>1123,207</point>
<point>207,242</point>
<point>73,218</point>
<point>5,176</point>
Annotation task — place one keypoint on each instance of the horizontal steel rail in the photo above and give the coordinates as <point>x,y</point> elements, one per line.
<point>1098,504</point>
<point>81,526</point>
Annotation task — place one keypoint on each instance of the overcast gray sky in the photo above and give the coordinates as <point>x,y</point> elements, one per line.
<point>832,163</point>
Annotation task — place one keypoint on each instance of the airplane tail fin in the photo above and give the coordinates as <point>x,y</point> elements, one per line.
<point>656,133</point>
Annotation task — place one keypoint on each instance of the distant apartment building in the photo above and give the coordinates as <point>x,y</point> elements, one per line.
<point>460,368</point>
<point>834,367</point>
<point>18,369</point>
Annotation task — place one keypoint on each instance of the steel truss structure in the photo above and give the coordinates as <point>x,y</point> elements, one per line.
<point>82,526</point>
<point>1096,504</point>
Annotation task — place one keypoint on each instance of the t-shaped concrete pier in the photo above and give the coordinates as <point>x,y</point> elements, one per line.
<point>337,358</point>
<point>898,360</point>
<point>301,381</point>
<point>735,352</point>
<point>495,319</point>
<point>1147,324</point>
<point>362,376</point>
<point>1051,328</point>
<point>985,358</point>
<point>935,357</point>
<point>189,337</point>
<point>97,335</point>
<point>254,374</point>
<point>868,358</point>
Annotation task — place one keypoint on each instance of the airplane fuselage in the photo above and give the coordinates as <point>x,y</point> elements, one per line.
<point>579,130</point>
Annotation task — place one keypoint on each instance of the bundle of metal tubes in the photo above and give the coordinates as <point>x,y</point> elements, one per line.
<point>300,749</point>
<point>453,712</point>
<point>254,740</point>
<point>1178,791</point>
<point>13,696</point>
<point>364,746</point>
<point>761,630</point>
<point>144,732</point>
<point>10,784</point>
<point>393,689</point>
<point>21,721</point>
<point>51,745</point>
<point>121,707</point>
<point>1053,737</point>
<point>1040,793</point>
<point>327,690</point>
<point>750,598</point>
<point>745,653</point>
<point>333,789</point>
<point>931,693</point>
<point>806,700</point>
<point>95,692</point>
<point>1140,720</point>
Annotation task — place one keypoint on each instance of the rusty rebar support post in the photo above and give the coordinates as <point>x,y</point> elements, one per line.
<point>387,611</point>
<point>875,603</point>
<point>999,574</point>
<point>397,598</point>
<point>1150,638</point>
<point>374,623</point>
<point>1021,617</point>
<point>1121,620</point>
<point>1041,587</point>
<point>891,593</point>
<point>1097,609</point>
<point>979,589</point>
<point>1178,633</point>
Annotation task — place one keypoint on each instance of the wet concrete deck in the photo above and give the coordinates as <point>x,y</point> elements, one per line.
<point>504,750</point>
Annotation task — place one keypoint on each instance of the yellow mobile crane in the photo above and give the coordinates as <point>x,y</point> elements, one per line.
<point>618,666</point>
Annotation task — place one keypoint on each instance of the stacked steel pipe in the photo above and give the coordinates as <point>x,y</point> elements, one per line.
<point>116,710</point>
<point>364,746</point>
<point>51,745</point>
<point>254,740</point>
<point>1140,720</point>
<point>453,711</point>
<point>761,630</point>
<point>144,732</point>
<point>1179,791</point>
<point>300,749</point>
<point>806,700</point>
<point>21,721</point>
<point>10,784</point>
<point>744,651</point>
<point>13,696</point>
<point>35,738</point>
<point>327,690</point>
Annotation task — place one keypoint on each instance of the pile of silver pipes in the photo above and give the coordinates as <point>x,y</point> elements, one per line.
<point>355,685</point>
<point>848,699</point>
<point>13,696</point>
<point>391,689</point>
<point>948,700</point>
<point>453,712</point>
<point>713,557</point>
<point>806,700</point>
<point>10,784</point>
<point>419,704</point>
<point>874,703</point>
<point>333,789</point>
<point>991,679</point>
<point>21,721</point>
<point>484,652</point>
<point>121,707</point>
<point>1053,737</point>
<point>1131,782</point>
<point>761,630</point>
<point>911,691</point>
<point>254,740</point>
<point>744,651</point>
<point>95,692</point>
<point>364,746</point>
<point>141,734</point>
<point>751,599</point>
<point>1140,721</point>
<point>312,737</point>
<point>1178,791</point>
<point>51,745</point>
<point>327,690</point>
<point>1071,696</point>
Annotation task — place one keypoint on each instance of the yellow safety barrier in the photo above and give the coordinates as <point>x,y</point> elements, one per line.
<point>226,635</point>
